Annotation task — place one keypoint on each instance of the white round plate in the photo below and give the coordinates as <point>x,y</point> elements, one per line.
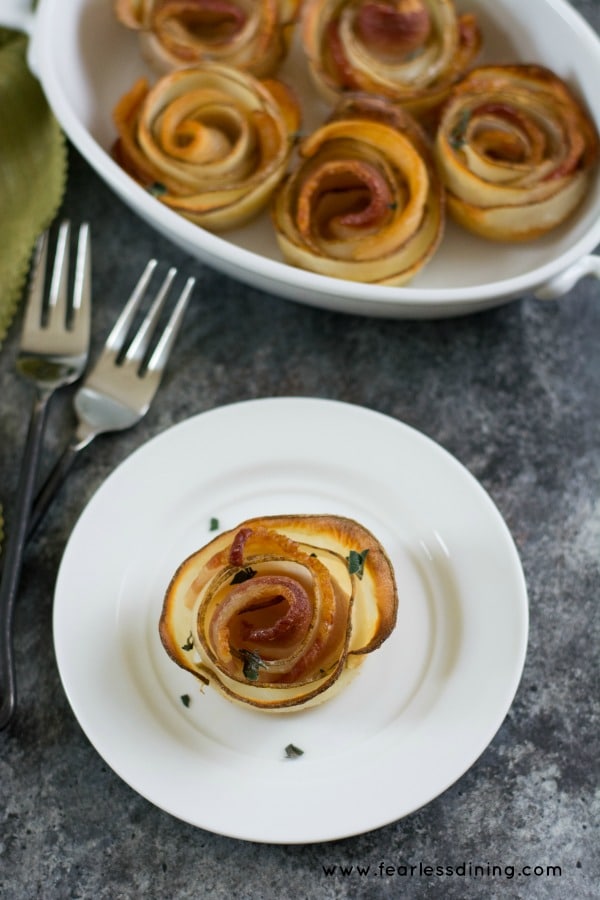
<point>421,709</point>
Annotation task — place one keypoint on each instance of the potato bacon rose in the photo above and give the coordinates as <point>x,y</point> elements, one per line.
<point>365,202</point>
<point>278,612</point>
<point>410,50</point>
<point>253,35</point>
<point>210,141</point>
<point>516,152</point>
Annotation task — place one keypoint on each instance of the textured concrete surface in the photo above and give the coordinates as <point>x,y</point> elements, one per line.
<point>514,394</point>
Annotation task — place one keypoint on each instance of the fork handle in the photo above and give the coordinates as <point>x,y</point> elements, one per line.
<point>15,547</point>
<point>57,475</point>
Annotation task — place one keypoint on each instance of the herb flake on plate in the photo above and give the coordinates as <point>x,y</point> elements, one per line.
<point>293,752</point>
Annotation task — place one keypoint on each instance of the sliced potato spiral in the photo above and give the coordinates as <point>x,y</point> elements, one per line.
<point>250,35</point>
<point>365,202</point>
<point>410,50</point>
<point>278,612</point>
<point>516,152</point>
<point>211,142</point>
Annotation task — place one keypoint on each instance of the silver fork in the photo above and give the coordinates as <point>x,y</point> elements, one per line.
<point>118,391</point>
<point>53,353</point>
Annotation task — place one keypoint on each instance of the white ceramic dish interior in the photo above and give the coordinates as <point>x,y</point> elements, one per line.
<point>90,60</point>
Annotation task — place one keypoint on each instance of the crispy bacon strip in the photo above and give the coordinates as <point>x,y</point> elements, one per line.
<point>253,35</point>
<point>516,152</point>
<point>364,203</point>
<point>211,142</point>
<point>278,617</point>
<point>412,51</point>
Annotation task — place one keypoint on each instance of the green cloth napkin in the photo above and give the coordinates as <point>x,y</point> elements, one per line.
<point>33,168</point>
<point>33,171</point>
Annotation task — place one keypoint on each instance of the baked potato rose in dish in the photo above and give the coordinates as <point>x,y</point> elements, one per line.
<point>211,142</point>
<point>516,152</point>
<point>253,35</point>
<point>364,202</point>
<point>279,612</point>
<point>410,50</point>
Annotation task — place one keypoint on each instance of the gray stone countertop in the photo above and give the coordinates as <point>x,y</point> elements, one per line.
<point>514,394</point>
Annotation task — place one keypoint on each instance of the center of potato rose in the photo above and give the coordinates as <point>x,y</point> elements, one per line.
<point>396,29</point>
<point>267,611</point>
<point>211,21</point>
<point>342,193</point>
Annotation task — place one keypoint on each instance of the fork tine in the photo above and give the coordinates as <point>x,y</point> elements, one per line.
<point>81,284</point>
<point>37,279</point>
<point>140,342</point>
<point>162,350</point>
<point>82,287</point>
<point>57,300</point>
<point>119,331</point>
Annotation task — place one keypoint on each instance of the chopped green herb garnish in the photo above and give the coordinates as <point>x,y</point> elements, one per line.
<point>457,135</point>
<point>214,524</point>
<point>243,575</point>
<point>356,562</point>
<point>293,752</point>
<point>189,644</point>
<point>157,189</point>
<point>253,662</point>
<point>185,699</point>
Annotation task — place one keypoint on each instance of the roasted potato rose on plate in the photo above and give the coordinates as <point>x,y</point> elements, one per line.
<point>516,152</point>
<point>410,50</point>
<point>211,142</point>
<point>253,35</point>
<point>364,202</point>
<point>279,612</point>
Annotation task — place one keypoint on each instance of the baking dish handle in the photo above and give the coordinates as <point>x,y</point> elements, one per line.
<point>562,284</point>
